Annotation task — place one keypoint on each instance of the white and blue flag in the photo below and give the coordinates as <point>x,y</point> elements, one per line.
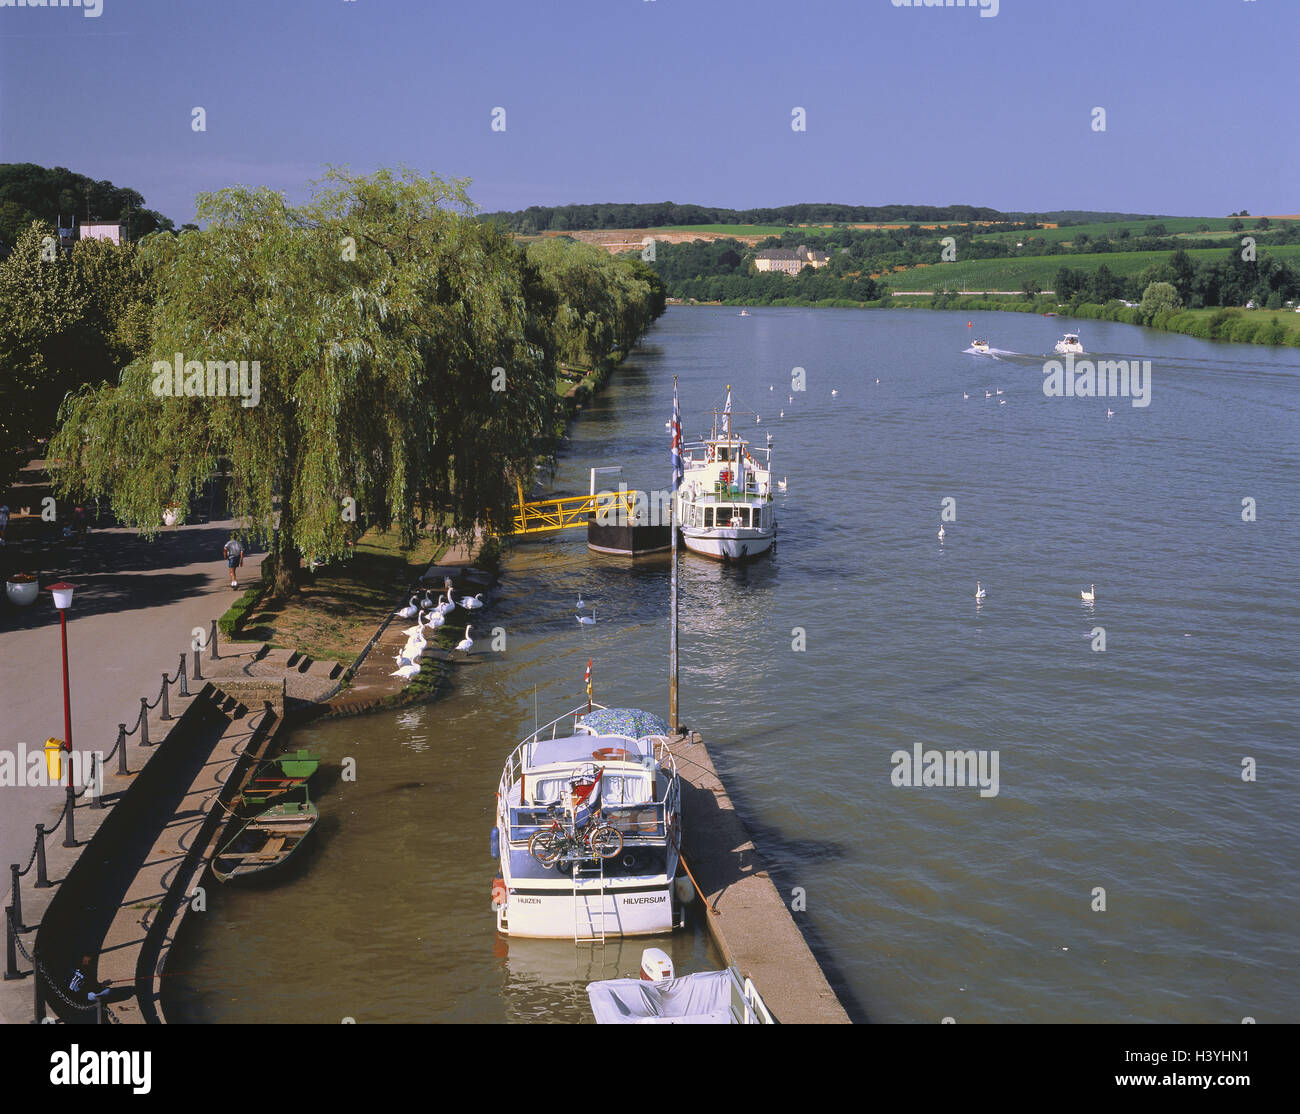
<point>678,469</point>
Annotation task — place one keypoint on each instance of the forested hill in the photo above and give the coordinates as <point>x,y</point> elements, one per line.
<point>564,218</point>
<point>29,192</point>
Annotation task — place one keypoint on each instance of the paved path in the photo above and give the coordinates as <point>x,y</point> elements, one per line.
<point>135,610</point>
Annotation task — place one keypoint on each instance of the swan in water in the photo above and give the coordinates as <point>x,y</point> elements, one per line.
<point>406,672</point>
<point>472,603</point>
<point>834,393</point>
<point>1109,412</point>
<point>964,395</point>
<point>782,414</point>
<point>999,390</point>
<point>757,419</point>
<point>1002,402</point>
<point>877,382</point>
<point>941,533</point>
<point>465,643</point>
<point>780,484</point>
<point>979,592</point>
<point>587,620</point>
<point>409,611</point>
<point>1090,594</point>
<point>580,605</point>
<point>790,399</point>
<point>988,394</point>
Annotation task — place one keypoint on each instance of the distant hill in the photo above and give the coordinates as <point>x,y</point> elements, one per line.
<point>29,192</point>
<point>566,218</point>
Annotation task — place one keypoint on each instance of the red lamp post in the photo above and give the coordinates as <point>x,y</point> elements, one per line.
<point>63,594</point>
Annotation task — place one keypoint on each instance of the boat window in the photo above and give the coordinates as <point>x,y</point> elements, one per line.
<point>724,454</point>
<point>708,518</point>
<point>758,517</point>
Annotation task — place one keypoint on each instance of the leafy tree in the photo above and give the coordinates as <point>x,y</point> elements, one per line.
<point>1158,297</point>
<point>376,372</point>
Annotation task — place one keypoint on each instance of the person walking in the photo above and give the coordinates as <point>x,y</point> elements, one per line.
<point>234,553</point>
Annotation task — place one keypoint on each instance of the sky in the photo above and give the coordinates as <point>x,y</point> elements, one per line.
<point>681,100</point>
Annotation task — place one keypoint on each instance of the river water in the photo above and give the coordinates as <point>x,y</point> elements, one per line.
<point>1124,870</point>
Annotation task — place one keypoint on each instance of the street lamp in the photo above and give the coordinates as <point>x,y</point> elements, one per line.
<point>63,601</point>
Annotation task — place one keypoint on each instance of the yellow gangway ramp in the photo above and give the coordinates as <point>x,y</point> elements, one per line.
<point>545,515</point>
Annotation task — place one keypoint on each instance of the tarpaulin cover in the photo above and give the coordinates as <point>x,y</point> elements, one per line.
<point>632,722</point>
<point>700,999</point>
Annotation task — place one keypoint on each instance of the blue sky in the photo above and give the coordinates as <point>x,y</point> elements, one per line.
<point>683,100</point>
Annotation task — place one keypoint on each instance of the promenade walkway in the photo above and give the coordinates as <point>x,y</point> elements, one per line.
<point>136,608</point>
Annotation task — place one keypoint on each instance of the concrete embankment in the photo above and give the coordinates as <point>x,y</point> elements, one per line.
<point>750,923</point>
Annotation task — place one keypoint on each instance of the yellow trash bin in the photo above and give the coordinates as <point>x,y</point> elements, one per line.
<point>54,759</point>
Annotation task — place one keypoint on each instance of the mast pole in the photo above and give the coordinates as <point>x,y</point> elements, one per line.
<point>672,637</point>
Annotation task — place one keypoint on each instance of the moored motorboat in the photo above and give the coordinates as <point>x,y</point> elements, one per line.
<point>724,504</point>
<point>661,997</point>
<point>588,829</point>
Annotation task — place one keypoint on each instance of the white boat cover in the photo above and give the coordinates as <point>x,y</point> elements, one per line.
<point>699,999</point>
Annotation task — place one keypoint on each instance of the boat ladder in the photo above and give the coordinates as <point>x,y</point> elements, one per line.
<point>589,924</point>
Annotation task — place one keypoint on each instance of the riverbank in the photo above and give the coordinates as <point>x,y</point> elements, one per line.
<point>1238,325</point>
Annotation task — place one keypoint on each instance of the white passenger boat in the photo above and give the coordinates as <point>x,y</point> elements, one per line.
<point>660,997</point>
<point>724,505</point>
<point>611,769</point>
<point>1069,345</point>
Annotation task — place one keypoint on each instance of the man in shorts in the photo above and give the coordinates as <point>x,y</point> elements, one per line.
<point>234,553</point>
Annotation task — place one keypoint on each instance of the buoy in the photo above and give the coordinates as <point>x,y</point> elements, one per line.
<point>608,754</point>
<point>685,889</point>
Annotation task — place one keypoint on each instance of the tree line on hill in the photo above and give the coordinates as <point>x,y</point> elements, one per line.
<point>375,356</point>
<point>36,193</point>
<point>572,218</point>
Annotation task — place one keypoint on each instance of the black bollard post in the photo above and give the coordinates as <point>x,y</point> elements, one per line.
<point>215,655</point>
<point>100,1019</point>
<point>69,836</point>
<point>38,1000</point>
<point>42,880</point>
<point>96,781</point>
<point>185,691</point>
<point>11,946</point>
<point>198,673</point>
<point>144,722</point>
<point>166,713</point>
<point>18,897</point>
<point>121,749</point>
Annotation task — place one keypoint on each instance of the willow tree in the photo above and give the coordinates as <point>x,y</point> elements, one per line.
<point>379,356</point>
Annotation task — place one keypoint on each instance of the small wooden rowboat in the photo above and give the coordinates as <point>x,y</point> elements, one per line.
<point>276,777</point>
<point>266,841</point>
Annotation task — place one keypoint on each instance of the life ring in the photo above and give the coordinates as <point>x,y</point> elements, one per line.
<point>500,896</point>
<point>725,477</point>
<point>611,754</point>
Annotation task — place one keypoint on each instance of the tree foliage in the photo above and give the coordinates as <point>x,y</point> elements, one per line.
<point>407,358</point>
<point>29,193</point>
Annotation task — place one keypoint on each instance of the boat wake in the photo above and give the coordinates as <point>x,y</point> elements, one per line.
<point>996,353</point>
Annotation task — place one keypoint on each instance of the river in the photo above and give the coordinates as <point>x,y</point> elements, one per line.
<point>1137,861</point>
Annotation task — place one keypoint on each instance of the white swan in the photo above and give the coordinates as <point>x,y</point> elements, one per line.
<point>979,592</point>
<point>1109,412</point>
<point>472,603</point>
<point>999,390</point>
<point>834,393</point>
<point>465,643</point>
<point>406,672</point>
<point>407,656</point>
<point>782,414</point>
<point>877,382</point>
<point>408,612</point>
<point>587,620</point>
<point>580,605</point>
<point>790,399</point>
<point>445,607</point>
<point>1090,594</point>
<point>964,395</point>
<point>435,619</point>
<point>941,533</point>
<point>1002,402</point>
<point>427,600</point>
<point>419,625</point>
<point>780,484</point>
<point>988,394</point>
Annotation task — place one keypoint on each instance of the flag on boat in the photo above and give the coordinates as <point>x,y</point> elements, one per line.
<point>588,678</point>
<point>678,469</point>
<point>726,410</point>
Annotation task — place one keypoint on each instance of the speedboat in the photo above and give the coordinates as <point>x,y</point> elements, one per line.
<point>659,997</point>
<point>1069,345</point>
<point>980,346</point>
<point>724,504</point>
<point>744,313</point>
<point>588,829</point>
